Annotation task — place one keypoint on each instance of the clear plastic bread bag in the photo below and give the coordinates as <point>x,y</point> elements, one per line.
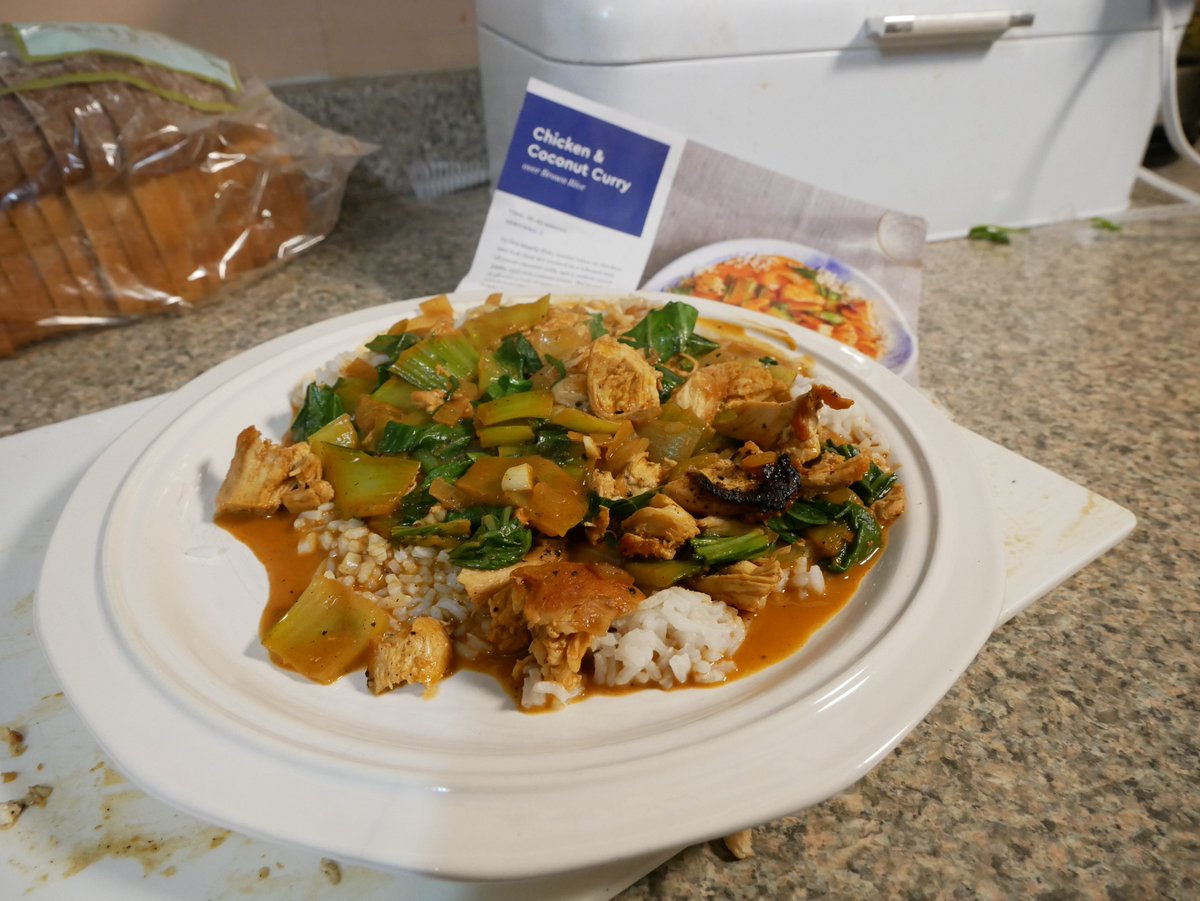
<point>139,175</point>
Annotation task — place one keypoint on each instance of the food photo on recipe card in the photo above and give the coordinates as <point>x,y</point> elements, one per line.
<point>592,198</point>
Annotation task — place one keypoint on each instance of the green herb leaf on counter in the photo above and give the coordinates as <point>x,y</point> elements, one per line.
<point>1104,225</point>
<point>996,234</point>
<point>321,406</point>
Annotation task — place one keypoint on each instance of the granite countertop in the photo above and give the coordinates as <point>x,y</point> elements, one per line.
<point>1065,762</point>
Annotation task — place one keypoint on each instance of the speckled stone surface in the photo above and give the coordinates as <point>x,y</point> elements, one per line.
<point>1066,762</point>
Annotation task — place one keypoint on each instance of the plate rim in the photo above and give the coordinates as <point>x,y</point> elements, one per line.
<point>109,472</point>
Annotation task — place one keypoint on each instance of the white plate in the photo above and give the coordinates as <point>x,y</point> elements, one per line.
<point>900,342</point>
<point>148,613</point>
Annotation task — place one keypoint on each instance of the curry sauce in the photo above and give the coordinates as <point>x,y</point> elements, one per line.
<point>773,634</point>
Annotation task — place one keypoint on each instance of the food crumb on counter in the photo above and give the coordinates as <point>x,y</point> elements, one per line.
<point>8,776</point>
<point>741,844</point>
<point>14,739</point>
<point>332,870</point>
<point>10,811</point>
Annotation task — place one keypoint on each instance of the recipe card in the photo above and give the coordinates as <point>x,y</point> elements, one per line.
<point>579,198</point>
<point>591,198</point>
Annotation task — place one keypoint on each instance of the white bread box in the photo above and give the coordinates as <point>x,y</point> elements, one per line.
<point>966,112</point>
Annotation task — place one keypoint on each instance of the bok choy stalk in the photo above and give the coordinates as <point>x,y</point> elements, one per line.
<point>718,550</point>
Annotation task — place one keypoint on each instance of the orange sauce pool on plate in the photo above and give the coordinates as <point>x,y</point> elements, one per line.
<point>774,633</point>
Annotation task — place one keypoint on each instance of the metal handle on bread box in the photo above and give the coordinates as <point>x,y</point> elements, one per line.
<point>946,27</point>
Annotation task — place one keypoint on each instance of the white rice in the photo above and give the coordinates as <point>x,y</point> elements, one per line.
<point>673,637</point>
<point>407,581</point>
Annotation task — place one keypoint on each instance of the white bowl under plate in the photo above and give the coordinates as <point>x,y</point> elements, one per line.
<point>149,612</point>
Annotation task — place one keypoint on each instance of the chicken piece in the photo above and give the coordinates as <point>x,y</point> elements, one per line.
<point>419,651</point>
<point>571,391</point>
<point>710,388</point>
<point>620,383</point>
<point>563,334</point>
<point>657,530</point>
<point>745,585</point>
<point>697,501</point>
<point>833,470</point>
<point>805,443</point>
<point>890,507</point>
<point>637,476</point>
<point>703,392</point>
<point>264,476</point>
<point>565,606</point>
<point>641,474</point>
<point>759,490</point>
<point>761,421</point>
<point>481,583</point>
<point>595,529</point>
<point>429,401</point>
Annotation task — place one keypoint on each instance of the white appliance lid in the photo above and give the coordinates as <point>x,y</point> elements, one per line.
<point>613,32</point>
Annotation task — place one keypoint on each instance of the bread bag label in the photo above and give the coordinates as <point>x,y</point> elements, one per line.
<point>44,41</point>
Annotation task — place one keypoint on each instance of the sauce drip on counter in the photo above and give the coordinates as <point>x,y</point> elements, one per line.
<point>773,634</point>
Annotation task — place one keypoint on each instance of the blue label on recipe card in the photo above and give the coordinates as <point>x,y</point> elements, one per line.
<point>582,166</point>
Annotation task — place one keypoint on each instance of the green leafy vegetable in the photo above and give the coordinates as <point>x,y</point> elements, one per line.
<point>867,539</point>
<point>1106,225</point>
<point>623,508</point>
<point>997,234</point>
<point>668,331</point>
<point>499,541</point>
<point>435,534</point>
<point>392,345</point>
<point>553,443</point>
<point>518,356</point>
<point>321,406</point>
<point>718,550</point>
<point>506,385</point>
<point>596,325</point>
<point>803,515</point>
<point>875,484</point>
<point>431,444</point>
<point>558,365</point>
<point>670,381</point>
<point>418,502</point>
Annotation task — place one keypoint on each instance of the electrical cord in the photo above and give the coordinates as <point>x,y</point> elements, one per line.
<point>1171,122</point>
